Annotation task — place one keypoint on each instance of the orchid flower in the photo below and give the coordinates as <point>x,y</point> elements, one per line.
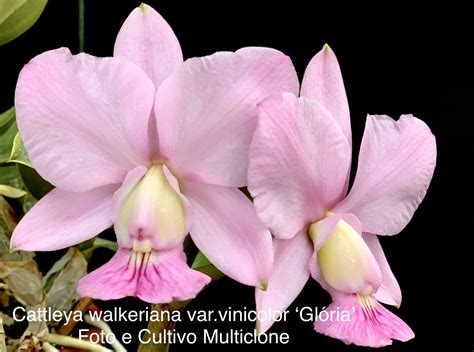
<point>299,168</point>
<point>156,147</point>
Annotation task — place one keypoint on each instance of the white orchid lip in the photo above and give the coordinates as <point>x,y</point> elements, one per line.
<point>346,262</point>
<point>152,214</point>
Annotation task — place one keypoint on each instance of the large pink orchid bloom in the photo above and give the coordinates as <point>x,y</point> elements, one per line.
<point>299,167</point>
<point>156,147</point>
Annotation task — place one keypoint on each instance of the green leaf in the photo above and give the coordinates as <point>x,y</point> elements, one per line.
<point>24,280</point>
<point>28,202</point>
<point>10,176</point>
<point>34,183</point>
<point>18,153</point>
<point>62,280</point>
<point>88,247</point>
<point>202,264</point>
<point>103,243</point>
<point>11,192</point>
<point>8,131</point>
<point>17,16</point>
<point>7,224</point>
<point>7,217</point>
<point>200,261</point>
<point>7,116</point>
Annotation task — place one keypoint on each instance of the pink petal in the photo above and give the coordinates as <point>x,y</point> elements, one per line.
<point>323,82</point>
<point>369,325</point>
<point>62,219</point>
<point>206,111</point>
<point>155,277</point>
<point>289,275</point>
<point>84,120</point>
<point>227,230</point>
<point>396,163</point>
<point>148,41</point>
<point>298,164</point>
<point>389,291</point>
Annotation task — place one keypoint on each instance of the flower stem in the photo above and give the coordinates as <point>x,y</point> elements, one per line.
<point>102,325</point>
<point>3,346</point>
<point>47,347</point>
<point>81,26</point>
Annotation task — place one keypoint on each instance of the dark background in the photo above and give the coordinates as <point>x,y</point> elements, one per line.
<point>394,60</point>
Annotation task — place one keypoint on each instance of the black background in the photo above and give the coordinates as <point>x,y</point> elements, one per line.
<point>395,60</point>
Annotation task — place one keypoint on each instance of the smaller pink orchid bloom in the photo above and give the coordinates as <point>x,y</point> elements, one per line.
<point>156,147</point>
<point>299,168</point>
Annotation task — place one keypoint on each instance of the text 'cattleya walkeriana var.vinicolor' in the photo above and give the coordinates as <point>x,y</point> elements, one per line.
<point>156,147</point>
<point>299,167</point>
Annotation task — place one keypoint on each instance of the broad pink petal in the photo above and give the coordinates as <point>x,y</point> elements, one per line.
<point>84,120</point>
<point>227,230</point>
<point>207,111</point>
<point>396,164</point>
<point>298,164</point>
<point>62,219</point>
<point>155,277</point>
<point>323,82</point>
<point>290,274</point>
<point>389,291</point>
<point>369,325</point>
<point>148,41</point>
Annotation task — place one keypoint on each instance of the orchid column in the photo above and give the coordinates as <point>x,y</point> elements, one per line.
<point>156,147</point>
<point>299,168</point>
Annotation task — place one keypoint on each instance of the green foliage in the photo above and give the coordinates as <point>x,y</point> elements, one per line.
<point>17,16</point>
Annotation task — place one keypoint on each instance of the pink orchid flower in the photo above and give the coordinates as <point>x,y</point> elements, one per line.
<point>156,147</point>
<point>299,168</point>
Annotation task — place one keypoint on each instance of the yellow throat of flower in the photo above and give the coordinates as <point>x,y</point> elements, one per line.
<point>346,262</point>
<point>152,215</point>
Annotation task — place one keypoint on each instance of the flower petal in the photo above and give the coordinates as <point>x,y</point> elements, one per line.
<point>367,322</point>
<point>84,120</point>
<point>299,161</point>
<point>227,230</point>
<point>396,164</point>
<point>148,41</point>
<point>62,219</point>
<point>206,111</point>
<point>389,291</point>
<point>323,82</point>
<point>290,274</point>
<point>154,277</point>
